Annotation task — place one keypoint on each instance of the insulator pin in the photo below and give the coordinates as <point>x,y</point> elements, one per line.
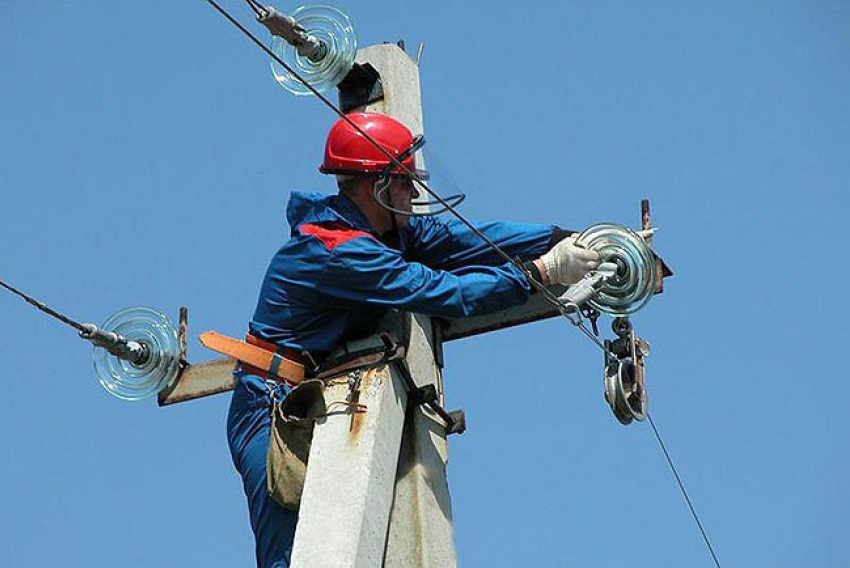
<point>288,28</point>
<point>316,44</point>
<point>583,291</point>
<point>133,351</point>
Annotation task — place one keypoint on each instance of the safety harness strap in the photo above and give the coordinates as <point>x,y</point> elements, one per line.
<point>257,356</point>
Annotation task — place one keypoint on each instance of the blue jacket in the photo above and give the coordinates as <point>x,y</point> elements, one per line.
<point>335,278</point>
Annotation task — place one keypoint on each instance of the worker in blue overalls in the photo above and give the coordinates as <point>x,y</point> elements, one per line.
<point>353,255</point>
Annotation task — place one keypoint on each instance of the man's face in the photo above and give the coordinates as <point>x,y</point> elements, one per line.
<point>402,192</point>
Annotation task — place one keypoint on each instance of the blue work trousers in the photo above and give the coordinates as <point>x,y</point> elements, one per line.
<point>248,431</point>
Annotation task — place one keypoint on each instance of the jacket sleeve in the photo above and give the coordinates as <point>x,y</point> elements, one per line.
<point>371,273</point>
<point>449,244</point>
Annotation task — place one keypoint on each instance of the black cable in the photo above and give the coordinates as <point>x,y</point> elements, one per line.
<point>682,488</point>
<point>43,307</point>
<point>543,290</point>
<point>258,8</point>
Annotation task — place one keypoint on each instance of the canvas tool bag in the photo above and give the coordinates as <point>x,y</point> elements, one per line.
<point>293,419</point>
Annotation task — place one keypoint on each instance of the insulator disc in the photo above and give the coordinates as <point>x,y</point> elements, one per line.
<point>634,283</point>
<point>130,381</point>
<point>333,27</point>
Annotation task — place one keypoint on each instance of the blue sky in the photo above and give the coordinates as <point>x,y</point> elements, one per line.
<point>146,156</point>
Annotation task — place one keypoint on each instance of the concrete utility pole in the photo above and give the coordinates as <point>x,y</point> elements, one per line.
<point>376,492</point>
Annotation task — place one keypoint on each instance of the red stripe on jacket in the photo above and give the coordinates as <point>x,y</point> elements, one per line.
<point>332,234</point>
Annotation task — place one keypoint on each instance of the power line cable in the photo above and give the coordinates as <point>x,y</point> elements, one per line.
<point>562,308</point>
<point>554,300</point>
<point>573,317</point>
<point>44,308</point>
<point>258,8</point>
<point>682,489</point>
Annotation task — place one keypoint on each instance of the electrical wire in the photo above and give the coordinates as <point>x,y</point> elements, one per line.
<point>682,489</point>
<point>44,308</point>
<point>258,8</point>
<point>571,315</point>
<point>562,308</point>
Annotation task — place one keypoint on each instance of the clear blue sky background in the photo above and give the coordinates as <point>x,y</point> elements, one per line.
<point>146,157</point>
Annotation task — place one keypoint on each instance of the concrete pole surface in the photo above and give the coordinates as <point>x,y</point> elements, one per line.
<point>420,532</point>
<point>348,490</point>
<point>372,496</point>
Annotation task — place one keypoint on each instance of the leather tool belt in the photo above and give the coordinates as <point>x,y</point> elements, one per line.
<point>259,357</point>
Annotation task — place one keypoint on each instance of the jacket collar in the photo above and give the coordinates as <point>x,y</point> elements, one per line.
<point>314,207</point>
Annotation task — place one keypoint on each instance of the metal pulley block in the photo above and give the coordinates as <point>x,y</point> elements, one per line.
<point>625,281</point>
<point>318,42</point>
<point>625,373</point>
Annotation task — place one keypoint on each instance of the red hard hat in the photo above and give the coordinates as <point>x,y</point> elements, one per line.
<point>348,152</point>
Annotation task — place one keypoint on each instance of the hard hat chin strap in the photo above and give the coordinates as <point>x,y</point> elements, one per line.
<point>389,207</point>
<point>381,193</point>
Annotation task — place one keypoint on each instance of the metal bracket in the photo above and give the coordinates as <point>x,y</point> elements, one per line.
<point>427,396</point>
<point>183,365</point>
<point>362,86</point>
<point>662,271</point>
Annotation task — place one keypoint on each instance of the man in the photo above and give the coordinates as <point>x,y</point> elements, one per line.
<point>352,256</point>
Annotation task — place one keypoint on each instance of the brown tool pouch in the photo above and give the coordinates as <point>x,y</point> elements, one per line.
<point>293,419</point>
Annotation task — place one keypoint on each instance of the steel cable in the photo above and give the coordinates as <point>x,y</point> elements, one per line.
<point>258,8</point>
<point>562,308</point>
<point>545,292</point>
<point>44,308</point>
<point>682,489</point>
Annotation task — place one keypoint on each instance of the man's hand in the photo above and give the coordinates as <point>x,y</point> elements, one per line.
<point>567,262</point>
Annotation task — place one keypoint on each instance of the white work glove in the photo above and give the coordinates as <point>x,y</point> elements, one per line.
<point>568,262</point>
